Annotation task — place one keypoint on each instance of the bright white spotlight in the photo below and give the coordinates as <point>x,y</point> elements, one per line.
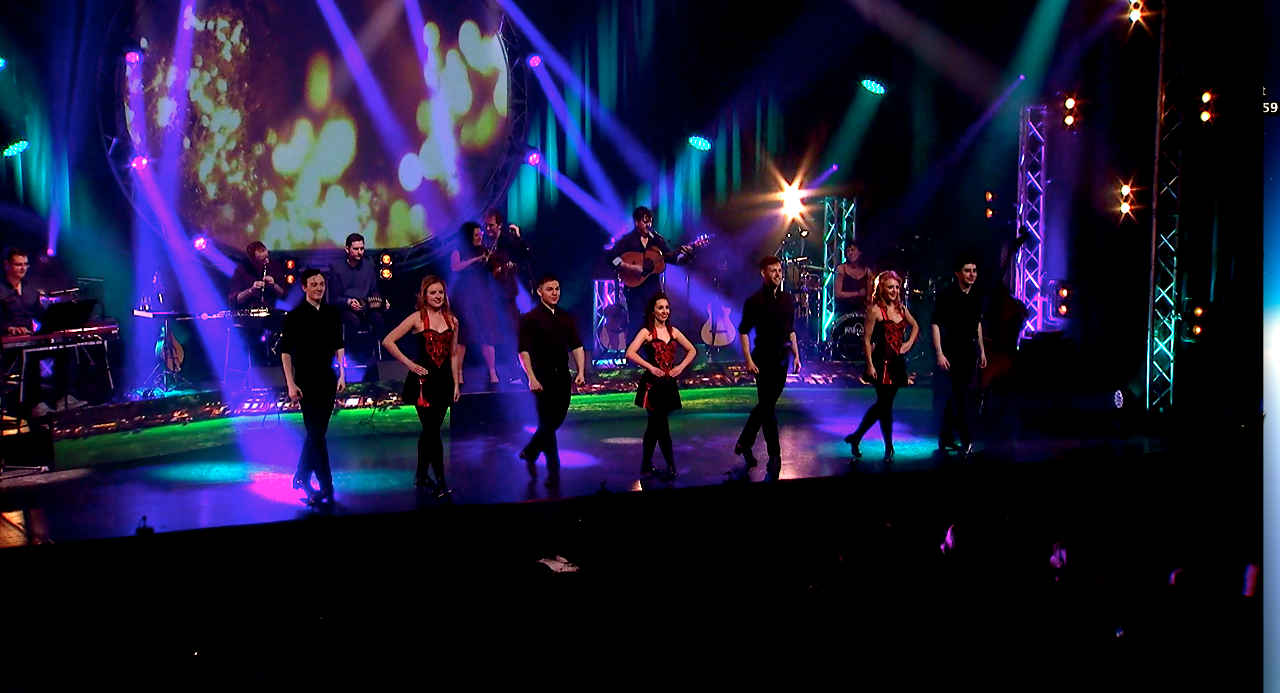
<point>792,204</point>
<point>1069,103</point>
<point>1124,190</point>
<point>1124,207</point>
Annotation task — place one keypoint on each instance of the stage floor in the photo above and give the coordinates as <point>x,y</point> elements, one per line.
<point>374,456</point>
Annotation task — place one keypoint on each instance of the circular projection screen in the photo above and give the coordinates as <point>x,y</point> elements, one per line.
<point>297,123</point>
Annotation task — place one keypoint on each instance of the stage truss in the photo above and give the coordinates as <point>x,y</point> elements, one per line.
<point>1162,321</point>
<point>1029,264</point>
<point>839,217</point>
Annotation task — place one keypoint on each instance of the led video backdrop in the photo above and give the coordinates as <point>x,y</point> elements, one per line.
<point>297,122</point>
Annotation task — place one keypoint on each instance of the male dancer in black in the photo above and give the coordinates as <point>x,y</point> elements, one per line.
<point>312,340</point>
<point>639,240</point>
<point>771,313</point>
<point>957,341</point>
<point>546,333</point>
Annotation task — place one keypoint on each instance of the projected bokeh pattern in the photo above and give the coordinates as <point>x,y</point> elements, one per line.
<point>277,143</point>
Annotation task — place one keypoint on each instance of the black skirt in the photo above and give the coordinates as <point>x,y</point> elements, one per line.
<point>658,394</point>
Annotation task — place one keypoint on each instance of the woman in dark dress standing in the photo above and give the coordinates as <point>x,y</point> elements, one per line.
<point>885,342</point>
<point>659,392</point>
<point>432,384</point>
<point>476,297</point>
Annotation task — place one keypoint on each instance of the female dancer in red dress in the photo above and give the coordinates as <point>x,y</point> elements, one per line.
<point>433,379</point>
<point>885,342</point>
<point>659,392</point>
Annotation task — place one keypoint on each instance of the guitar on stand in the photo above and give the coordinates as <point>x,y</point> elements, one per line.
<point>170,355</point>
<point>719,330</point>
<point>613,324</point>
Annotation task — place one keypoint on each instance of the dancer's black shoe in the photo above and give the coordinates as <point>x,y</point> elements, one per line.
<point>854,441</point>
<point>740,449</point>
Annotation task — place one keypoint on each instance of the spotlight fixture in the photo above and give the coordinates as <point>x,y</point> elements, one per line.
<point>1063,298</point>
<point>1195,330</point>
<point>990,213</point>
<point>1204,98</point>
<point>990,196</point>
<point>1126,199</point>
<point>385,273</point>
<point>385,258</point>
<point>1069,120</point>
<point>16,148</point>
<point>1070,103</point>
<point>201,242</point>
<point>290,264</point>
<point>289,279</point>
<point>1198,312</point>
<point>2,63</point>
<point>873,86</point>
<point>535,61</point>
<point>804,233</point>
<point>133,57</point>
<point>1204,116</point>
<point>700,143</point>
<point>138,163</point>
<point>1069,111</point>
<point>533,158</point>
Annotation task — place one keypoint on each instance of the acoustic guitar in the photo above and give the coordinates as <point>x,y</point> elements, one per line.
<point>169,350</point>
<point>613,328</point>
<point>718,330</point>
<point>632,278</point>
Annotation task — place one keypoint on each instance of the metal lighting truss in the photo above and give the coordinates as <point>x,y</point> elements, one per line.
<point>839,217</point>
<point>1162,321</point>
<point>1029,263</point>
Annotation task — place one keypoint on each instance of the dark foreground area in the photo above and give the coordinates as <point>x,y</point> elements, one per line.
<point>843,575</point>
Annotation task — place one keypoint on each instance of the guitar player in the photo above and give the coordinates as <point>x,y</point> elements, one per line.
<point>640,240</point>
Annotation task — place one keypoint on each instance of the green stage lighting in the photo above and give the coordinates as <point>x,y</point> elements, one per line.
<point>700,143</point>
<point>16,148</point>
<point>873,86</point>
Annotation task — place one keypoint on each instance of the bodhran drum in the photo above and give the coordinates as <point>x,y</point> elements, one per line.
<point>846,337</point>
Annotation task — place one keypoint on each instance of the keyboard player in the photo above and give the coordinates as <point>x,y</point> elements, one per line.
<point>258,283</point>
<point>20,309</point>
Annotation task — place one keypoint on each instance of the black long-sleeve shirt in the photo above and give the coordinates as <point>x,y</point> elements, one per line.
<point>771,313</point>
<point>548,336</point>
<point>311,337</point>
<point>631,243</point>
<point>511,249</point>
<point>245,275</point>
<point>19,310</point>
<point>957,315</point>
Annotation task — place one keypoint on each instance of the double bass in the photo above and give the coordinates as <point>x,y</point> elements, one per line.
<point>1007,315</point>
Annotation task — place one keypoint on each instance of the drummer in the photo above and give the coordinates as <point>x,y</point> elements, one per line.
<point>853,282</point>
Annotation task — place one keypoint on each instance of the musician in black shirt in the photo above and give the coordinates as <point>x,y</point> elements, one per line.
<point>20,308</point>
<point>545,334</point>
<point>257,283</point>
<point>312,340</point>
<point>957,341</point>
<point>639,240</point>
<point>771,313</point>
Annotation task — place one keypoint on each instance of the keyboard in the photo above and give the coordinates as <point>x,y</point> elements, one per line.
<point>219,315</point>
<point>73,336</point>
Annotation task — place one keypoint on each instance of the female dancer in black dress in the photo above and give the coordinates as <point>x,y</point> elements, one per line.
<point>659,392</point>
<point>475,295</point>
<point>433,379</point>
<point>885,343</point>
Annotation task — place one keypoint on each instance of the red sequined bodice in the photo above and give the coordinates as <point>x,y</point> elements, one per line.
<point>664,354</point>
<point>437,345</point>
